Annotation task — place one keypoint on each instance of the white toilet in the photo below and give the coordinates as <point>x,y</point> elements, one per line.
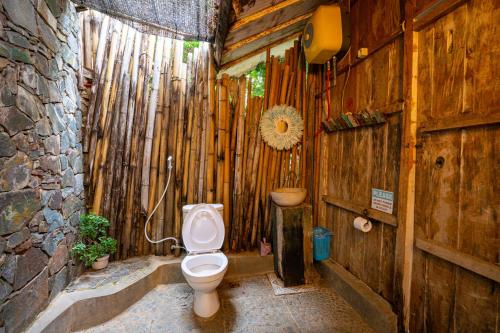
<point>205,265</point>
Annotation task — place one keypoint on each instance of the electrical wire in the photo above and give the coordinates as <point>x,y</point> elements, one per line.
<point>343,89</point>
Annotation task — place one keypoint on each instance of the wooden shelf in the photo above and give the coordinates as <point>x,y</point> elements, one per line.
<point>464,260</point>
<point>360,209</point>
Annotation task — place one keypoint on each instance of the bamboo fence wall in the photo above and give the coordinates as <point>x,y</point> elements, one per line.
<point>146,104</point>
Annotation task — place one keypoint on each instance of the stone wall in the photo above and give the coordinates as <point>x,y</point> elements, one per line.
<point>41,179</point>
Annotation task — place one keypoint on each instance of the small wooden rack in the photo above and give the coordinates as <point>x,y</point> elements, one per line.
<point>353,120</point>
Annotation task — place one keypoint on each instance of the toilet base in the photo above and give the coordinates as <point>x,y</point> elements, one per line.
<point>206,304</point>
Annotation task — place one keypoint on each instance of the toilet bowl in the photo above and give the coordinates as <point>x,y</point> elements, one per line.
<point>204,266</point>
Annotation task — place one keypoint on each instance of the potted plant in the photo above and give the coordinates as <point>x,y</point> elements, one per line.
<point>95,245</point>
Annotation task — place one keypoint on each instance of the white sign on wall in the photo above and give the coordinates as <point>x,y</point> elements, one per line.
<point>382,200</point>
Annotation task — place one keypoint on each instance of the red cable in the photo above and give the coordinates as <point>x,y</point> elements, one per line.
<point>327,98</point>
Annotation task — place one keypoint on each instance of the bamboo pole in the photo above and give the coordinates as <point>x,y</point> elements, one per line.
<point>197,194</point>
<point>178,80</point>
<point>221,132</point>
<point>238,169</point>
<point>97,74</point>
<point>163,153</point>
<point>138,228</point>
<point>202,175</point>
<point>194,134</point>
<point>172,88</point>
<point>188,158</point>
<point>270,157</point>
<point>165,221</point>
<point>158,162</point>
<point>150,129</point>
<point>227,165</point>
<point>211,190</point>
<point>128,141</point>
<point>247,154</point>
<point>264,153</point>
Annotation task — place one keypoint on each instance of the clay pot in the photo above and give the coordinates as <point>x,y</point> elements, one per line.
<point>101,263</point>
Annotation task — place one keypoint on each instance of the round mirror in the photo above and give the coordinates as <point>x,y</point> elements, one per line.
<point>281,127</point>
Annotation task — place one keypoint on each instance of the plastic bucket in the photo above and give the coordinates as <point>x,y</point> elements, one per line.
<point>321,243</point>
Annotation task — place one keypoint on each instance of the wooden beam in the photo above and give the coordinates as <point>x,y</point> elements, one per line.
<point>268,32</point>
<point>435,11</point>
<point>260,14</point>
<point>221,32</point>
<point>406,188</point>
<point>260,50</point>
<point>263,42</point>
<point>491,119</point>
<point>361,210</point>
<point>477,265</point>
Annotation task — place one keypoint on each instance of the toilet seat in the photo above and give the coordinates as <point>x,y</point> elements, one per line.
<point>204,267</point>
<point>203,229</point>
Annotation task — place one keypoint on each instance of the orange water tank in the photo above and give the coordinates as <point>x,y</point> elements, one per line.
<point>327,34</point>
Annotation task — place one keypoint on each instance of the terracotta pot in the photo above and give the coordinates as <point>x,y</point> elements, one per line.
<point>101,263</point>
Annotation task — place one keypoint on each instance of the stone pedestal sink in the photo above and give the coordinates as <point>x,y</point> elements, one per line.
<point>289,196</point>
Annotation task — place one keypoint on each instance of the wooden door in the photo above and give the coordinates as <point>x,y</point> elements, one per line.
<point>455,278</point>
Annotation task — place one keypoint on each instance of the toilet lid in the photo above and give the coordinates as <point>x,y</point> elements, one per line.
<point>203,229</point>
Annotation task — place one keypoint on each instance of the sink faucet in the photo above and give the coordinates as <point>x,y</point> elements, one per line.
<point>287,180</point>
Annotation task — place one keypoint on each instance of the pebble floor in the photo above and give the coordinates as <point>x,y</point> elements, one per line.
<point>247,305</point>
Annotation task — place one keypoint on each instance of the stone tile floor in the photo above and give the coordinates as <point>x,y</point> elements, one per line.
<point>247,305</point>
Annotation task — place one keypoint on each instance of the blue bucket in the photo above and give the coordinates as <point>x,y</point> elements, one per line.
<point>321,243</point>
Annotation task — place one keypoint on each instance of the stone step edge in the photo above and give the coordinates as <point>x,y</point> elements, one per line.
<point>82,309</point>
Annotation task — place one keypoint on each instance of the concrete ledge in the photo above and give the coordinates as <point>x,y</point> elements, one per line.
<point>375,311</point>
<point>82,309</point>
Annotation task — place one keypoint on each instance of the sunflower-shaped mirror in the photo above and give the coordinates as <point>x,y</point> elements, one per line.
<point>281,127</point>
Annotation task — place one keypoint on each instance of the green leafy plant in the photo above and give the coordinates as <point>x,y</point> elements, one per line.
<point>94,243</point>
<point>189,46</point>
<point>258,77</point>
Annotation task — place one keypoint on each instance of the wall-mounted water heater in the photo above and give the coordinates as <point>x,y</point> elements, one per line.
<point>327,34</point>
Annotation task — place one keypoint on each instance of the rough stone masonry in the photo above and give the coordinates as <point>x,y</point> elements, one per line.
<point>41,169</point>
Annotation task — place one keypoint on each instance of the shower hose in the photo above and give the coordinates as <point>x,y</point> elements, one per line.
<point>169,160</point>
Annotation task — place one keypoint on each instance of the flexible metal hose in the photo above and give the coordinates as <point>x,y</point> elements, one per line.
<point>156,207</point>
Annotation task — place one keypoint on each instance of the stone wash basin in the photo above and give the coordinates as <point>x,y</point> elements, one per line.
<point>289,196</point>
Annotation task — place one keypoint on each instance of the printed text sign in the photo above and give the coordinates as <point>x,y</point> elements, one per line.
<point>382,200</point>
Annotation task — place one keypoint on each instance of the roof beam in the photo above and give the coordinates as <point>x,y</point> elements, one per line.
<point>268,32</point>
<point>260,50</point>
<point>260,14</point>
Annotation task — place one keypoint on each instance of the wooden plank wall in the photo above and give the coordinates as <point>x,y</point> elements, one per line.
<point>457,202</point>
<point>366,158</point>
<point>444,69</point>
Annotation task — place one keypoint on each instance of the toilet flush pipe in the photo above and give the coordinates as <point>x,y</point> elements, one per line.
<point>177,245</point>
